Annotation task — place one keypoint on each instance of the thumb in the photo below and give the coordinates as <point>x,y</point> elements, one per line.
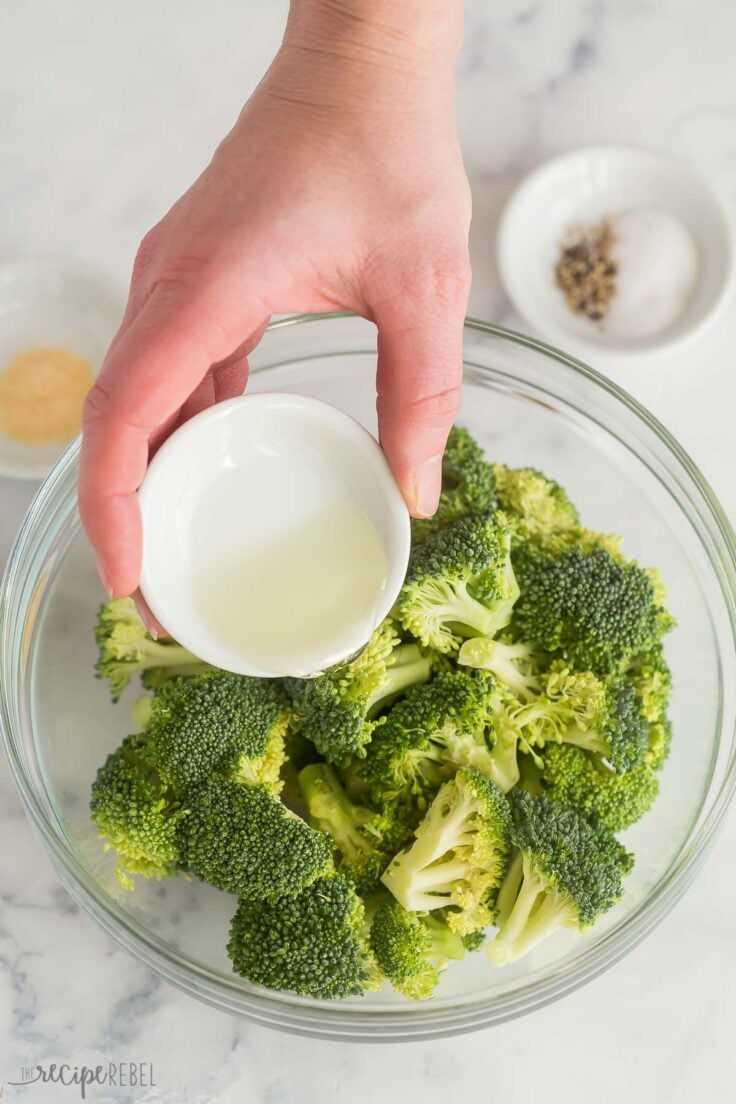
<point>419,382</point>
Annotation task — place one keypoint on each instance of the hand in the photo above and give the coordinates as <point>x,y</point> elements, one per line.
<point>340,187</point>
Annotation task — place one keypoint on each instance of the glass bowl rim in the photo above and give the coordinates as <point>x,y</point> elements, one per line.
<point>412,1022</point>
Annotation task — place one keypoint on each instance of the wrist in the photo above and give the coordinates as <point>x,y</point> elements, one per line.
<point>412,36</point>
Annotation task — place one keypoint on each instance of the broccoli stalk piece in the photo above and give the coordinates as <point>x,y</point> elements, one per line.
<point>366,839</point>
<point>412,948</point>
<point>126,648</point>
<point>222,724</point>
<point>591,609</point>
<point>337,710</point>
<point>514,665</point>
<point>137,813</point>
<point>467,486</point>
<point>312,943</point>
<point>459,855</point>
<point>460,584</point>
<point>243,840</point>
<point>565,872</point>
<point>434,730</point>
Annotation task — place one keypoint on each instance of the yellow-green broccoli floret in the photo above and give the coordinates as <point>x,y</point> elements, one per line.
<point>459,855</point>
<point>223,724</point>
<point>565,872</point>
<point>137,813</point>
<point>460,584</point>
<point>467,486</point>
<point>337,710</point>
<point>126,648</point>
<point>312,943</point>
<point>413,948</point>
<point>537,507</point>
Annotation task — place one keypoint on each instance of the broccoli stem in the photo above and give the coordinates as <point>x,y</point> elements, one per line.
<point>501,660</point>
<point>504,948</point>
<point>422,877</point>
<point>408,667</point>
<point>154,653</point>
<point>588,741</point>
<point>332,811</point>
<point>504,765</point>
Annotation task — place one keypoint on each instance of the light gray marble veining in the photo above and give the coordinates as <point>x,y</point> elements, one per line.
<point>106,113</point>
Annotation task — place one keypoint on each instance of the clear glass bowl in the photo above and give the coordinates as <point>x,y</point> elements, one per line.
<point>528,404</point>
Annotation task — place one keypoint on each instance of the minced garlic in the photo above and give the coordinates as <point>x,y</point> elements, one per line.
<point>42,392</point>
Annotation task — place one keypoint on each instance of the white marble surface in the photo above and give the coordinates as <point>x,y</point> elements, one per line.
<point>106,113</point>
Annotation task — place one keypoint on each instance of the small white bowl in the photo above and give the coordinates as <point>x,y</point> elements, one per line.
<point>246,479</point>
<point>56,301</point>
<point>584,187</point>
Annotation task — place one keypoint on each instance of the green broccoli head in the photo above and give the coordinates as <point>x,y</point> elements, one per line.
<point>337,710</point>
<point>431,732</point>
<point>312,943</point>
<point>412,948</point>
<point>222,724</point>
<point>589,608</point>
<point>459,854</point>
<point>538,508</point>
<point>137,813</point>
<point>365,838</point>
<point>460,583</point>
<point>467,486</point>
<point>126,648</point>
<point>565,872</point>
<point>243,840</point>
<point>572,777</point>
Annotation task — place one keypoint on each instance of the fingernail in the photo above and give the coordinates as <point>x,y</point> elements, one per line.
<point>150,627</point>
<point>104,578</point>
<point>427,486</point>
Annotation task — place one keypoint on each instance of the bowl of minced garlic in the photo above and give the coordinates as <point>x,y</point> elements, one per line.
<point>58,316</point>
<point>42,392</point>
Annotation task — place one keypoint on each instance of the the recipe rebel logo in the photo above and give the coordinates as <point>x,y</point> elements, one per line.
<point>121,1075</point>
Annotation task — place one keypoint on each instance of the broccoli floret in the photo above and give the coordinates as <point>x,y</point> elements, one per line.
<point>591,609</point>
<point>474,940</point>
<point>434,730</point>
<point>650,676</point>
<point>513,664</point>
<point>565,872</point>
<point>220,724</point>
<point>467,486</point>
<point>460,584</point>
<point>126,648</point>
<point>312,943</point>
<point>601,717</point>
<point>572,777</point>
<point>365,838</point>
<point>537,507</point>
<point>412,948</point>
<point>660,738</point>
<point>243,840</point>
<point>137,813</point>
<point>459,855</point>
<point>337,710</point>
